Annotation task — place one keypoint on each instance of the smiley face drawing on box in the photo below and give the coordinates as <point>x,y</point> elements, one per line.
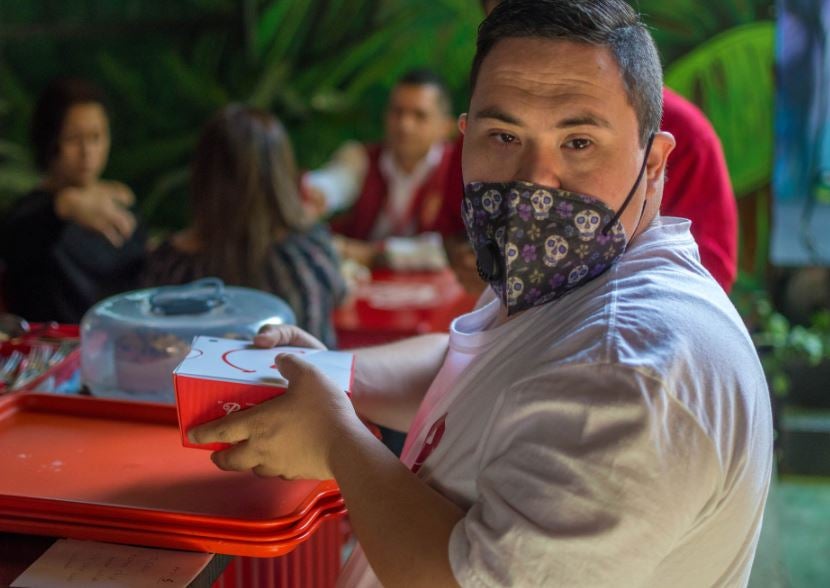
<point>237,360</point>
<point>232,360</point>
<point>253,360</point>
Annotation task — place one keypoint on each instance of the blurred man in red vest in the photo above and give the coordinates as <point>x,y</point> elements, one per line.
<point>394,188</point>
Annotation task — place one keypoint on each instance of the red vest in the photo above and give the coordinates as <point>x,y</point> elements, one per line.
<point>434,207</point>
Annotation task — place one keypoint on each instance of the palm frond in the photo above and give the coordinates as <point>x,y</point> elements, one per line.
<point>731,78</point>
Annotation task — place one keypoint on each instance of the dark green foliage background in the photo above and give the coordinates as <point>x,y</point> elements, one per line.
<point>323,66</point>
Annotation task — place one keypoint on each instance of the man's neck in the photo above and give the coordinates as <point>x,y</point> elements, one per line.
<point>651,211</point>
<point>408,166</point>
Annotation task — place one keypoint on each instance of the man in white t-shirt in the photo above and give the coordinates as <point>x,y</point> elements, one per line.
<point>602,417</point>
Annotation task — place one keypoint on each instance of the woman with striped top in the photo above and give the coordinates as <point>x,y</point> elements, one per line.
<point>249,227</point>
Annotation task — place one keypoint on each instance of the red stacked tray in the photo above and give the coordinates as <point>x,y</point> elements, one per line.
<point>115,471</point>
<point>395,305</point>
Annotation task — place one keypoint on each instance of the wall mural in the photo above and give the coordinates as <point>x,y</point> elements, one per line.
<point>801,179</point>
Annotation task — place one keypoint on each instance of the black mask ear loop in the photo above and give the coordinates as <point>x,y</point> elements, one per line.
<point>628,198</point>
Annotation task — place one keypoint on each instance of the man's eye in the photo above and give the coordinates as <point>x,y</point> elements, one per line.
<point>505,138</point>
<point>578,144</point>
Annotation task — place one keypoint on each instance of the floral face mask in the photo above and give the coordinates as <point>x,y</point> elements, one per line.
<point>534,244</point>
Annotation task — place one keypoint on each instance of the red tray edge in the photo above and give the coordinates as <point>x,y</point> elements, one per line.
<point>188,543</point>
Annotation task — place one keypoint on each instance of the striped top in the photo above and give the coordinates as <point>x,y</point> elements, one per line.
<point>303,270</point>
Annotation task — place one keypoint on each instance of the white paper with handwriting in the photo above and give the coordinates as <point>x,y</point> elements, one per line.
<point>105,565</point>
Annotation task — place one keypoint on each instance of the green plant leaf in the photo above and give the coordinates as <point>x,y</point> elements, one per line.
<point>16,99</point>
<point>15,179</point>
<point>13,152</point>
<point>167,184</point>
<point>154,155</point>
<point>288,32</point>
<point>193,86</point>
<point>680,26</point>
<point>731,78</point>
<point>270,85</point>
<point>780,384</point>
<point>269,24</point>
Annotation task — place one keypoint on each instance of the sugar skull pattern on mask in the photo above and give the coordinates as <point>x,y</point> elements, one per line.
<point>533,243</point>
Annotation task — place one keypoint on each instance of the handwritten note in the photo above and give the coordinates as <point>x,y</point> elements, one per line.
<point>105,565</point>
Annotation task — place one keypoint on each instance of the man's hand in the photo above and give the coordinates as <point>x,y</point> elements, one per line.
<point>281,335</point>
<point>290,436</point>
<point>363,252</point>
<point>103,208</point>
<point>314,203</point>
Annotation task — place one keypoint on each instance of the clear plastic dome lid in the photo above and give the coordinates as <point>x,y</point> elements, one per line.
<point>131,342</point>
<point>206,303</point>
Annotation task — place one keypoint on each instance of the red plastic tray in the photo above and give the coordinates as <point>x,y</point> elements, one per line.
<point>359,322</point>
<point>163,539</point>
<point>59,516</point>
<point>123,461</point>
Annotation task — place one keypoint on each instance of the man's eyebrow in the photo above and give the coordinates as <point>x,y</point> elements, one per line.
<point>497,114</point>
<point>587,119</point>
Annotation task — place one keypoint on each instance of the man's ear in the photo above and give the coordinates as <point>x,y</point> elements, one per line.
<point>662,145</point>
<point>462,122</point>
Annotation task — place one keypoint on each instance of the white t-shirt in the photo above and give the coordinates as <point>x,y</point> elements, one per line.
<point>619,436</point>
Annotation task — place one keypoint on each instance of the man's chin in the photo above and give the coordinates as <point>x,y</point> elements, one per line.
<point>409,153</point>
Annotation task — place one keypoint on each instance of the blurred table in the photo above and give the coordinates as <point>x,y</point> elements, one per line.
<point>398,305</point>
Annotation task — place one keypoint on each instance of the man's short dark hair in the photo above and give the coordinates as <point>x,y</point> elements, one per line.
<point>427,77</point>
<point>609,23</point>
<point>50,112</point>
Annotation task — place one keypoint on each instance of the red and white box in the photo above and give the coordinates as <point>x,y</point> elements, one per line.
<point>221,376</point>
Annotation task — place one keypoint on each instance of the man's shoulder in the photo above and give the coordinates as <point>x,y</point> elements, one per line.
<point>664,307</point>
<point>350,149</point>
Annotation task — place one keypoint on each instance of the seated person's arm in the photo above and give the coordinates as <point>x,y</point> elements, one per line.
<point>103,208</point>
<point>391,380</point>
<point>34,223</point>
<point>336,185</point>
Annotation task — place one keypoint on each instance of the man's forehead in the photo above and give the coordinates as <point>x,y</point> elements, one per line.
<point>550,74</point>
<point>539,65</point>
<point>423,94</point>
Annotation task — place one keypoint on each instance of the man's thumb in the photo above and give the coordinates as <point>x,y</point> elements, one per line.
<point>291,365</point>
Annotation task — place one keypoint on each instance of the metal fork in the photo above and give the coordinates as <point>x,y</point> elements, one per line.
<point>36,363</point>
<point>8,369</point>
<point>65,348</point>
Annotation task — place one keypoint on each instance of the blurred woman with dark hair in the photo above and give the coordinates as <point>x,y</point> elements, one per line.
<point>249,227</point>
<point>73,240</point>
